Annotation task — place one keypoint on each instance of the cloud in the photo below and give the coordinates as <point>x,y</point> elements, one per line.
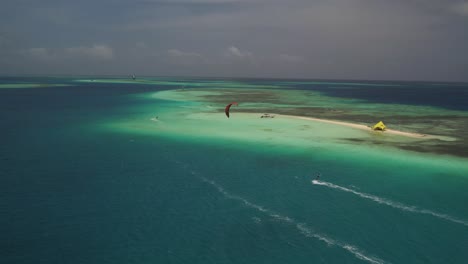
<point>179,57</point>
<point>233,51</point>
<point>96,52</point>
<point>460,8</point>
<point>411,39</point>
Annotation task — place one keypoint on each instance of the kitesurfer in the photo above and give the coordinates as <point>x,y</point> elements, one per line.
<point>318,176</point>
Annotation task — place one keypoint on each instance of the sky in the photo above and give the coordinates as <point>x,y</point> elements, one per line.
<point>423,40</point>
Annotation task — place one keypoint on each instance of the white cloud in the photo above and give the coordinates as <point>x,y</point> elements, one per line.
<point>96,51</point>
<point>184,58</point>
<point>233,51</point>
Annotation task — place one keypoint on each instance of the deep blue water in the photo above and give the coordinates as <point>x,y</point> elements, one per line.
<point>449,96</point>
<point>71,193</point>
<point>452,96</point>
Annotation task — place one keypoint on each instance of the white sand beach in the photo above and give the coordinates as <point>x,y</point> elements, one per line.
<point>363,127</point>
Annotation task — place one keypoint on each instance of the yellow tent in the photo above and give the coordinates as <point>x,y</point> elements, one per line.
<point>379,126</point>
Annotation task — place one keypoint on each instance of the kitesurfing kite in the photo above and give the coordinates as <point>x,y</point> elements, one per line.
<point>226,110</point>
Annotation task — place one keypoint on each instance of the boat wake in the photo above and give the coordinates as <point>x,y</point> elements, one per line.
<point>302,227</point>
<point>391,203</point>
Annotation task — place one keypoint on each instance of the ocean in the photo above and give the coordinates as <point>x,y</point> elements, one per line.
<point>112,170</point>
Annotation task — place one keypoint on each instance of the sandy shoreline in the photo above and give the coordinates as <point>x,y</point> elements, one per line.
<point>363,127</point>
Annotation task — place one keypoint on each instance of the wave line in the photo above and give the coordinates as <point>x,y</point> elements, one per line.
<point>303,228</point>
<point>380,200</point>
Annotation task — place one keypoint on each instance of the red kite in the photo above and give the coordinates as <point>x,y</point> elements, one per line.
<point>226,110</point>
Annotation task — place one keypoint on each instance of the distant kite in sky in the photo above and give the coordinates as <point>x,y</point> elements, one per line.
<point>226,110</point>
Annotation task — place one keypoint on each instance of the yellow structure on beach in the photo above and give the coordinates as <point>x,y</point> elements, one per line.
<point>379,126</point>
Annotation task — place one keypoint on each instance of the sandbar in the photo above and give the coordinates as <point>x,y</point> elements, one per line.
<point>367,128</point>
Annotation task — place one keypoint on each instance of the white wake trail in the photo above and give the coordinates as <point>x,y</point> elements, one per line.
<point>380,200</point>
<point>303,228</point>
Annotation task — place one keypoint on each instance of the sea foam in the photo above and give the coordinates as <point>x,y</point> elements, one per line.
<point>385,201</point>
<point>301,227</point>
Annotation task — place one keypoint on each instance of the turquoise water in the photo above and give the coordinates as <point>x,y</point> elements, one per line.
<point>74,191</point>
